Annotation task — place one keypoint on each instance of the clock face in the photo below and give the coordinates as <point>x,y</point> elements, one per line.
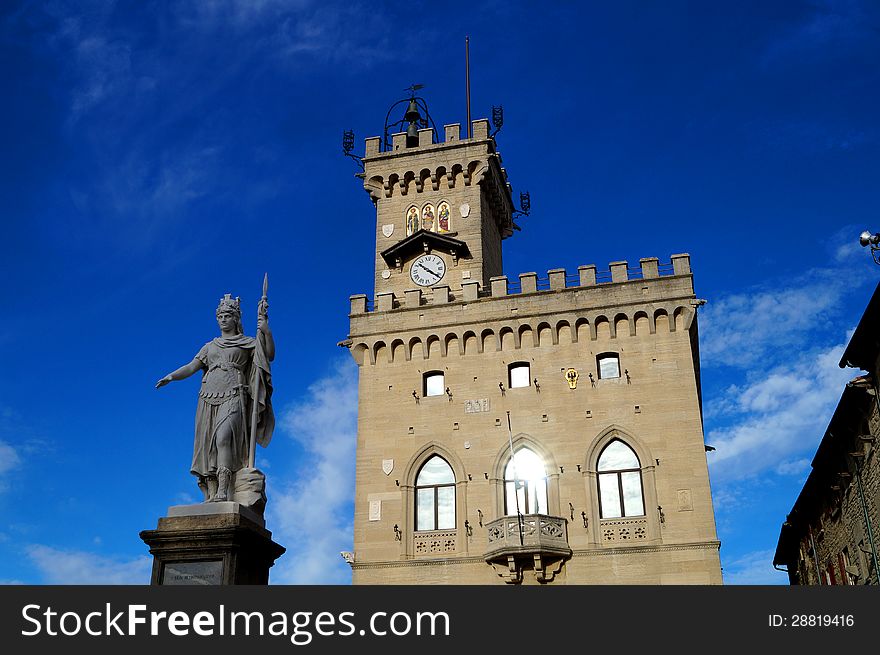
<point>427,270</point>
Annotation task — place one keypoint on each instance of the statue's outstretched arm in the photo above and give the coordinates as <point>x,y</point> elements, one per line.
<point>182,373</point>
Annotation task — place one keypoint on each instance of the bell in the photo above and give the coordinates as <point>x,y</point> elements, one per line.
<point>412,112</point>
<point>412,136</point>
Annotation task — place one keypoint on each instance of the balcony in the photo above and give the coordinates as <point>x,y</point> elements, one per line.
<point>542,546</point>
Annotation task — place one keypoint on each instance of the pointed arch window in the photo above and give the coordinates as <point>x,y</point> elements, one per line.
<point>525,484</point>
<point>620,482</point>
<point>435,495</point>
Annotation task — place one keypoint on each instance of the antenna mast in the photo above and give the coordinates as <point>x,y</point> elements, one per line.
<point>467,67</point>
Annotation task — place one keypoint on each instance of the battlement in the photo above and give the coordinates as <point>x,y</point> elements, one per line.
<point>619,274</point>
<point>451,136</point>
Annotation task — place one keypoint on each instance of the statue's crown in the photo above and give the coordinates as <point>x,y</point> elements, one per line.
<point>229,304</point>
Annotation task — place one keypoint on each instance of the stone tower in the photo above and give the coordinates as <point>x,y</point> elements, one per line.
<point>537,430</point>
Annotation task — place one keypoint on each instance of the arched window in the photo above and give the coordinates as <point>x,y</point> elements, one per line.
<point>435,495</point>
<point>620,482</point>
<point>526,472</point>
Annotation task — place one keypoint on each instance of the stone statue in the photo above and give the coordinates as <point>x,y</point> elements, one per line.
<point>234,408</point>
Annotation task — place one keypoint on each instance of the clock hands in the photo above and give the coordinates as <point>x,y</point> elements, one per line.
<point>429,270</point>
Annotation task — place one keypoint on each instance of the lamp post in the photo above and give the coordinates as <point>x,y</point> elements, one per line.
<point>866,239</point>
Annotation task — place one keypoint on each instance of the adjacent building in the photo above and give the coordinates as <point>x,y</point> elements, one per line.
<point>829,537</point>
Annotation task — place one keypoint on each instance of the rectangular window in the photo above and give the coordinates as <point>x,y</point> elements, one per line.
<point>519,375</point>
<point>609,496</point>
<point>632,493</point>
<point>608,365</point>
<point>434,385</point>
<point>425,511</point>
<point>538,497</point>
<point>445,508</point>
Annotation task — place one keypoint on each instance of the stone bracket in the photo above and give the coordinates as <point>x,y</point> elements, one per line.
<point>511,570</point>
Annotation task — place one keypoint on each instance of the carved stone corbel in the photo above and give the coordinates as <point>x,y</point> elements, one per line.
<point>399,264</point>
<point>435,182</point>
<point>544,572</point>
<point>510,572</point>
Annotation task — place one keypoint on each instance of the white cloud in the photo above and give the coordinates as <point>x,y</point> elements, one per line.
<point>59,566</point>
<point>755,568</point>
<point>745,330</point>
<point>794,467</point>
<point>780,416</point>
<point>830,28</point>
<point>9,459</point>
<point>313,515</point>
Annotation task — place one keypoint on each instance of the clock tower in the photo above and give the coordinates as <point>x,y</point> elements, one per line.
<point>442,210</point>
<point>546,430</point>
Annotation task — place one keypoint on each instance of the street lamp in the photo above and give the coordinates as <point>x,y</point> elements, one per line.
<point>873,240</point>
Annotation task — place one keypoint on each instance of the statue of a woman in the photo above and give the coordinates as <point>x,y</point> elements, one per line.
<point>236,373</point>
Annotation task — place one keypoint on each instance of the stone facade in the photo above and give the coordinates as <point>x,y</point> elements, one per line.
<point>465,333</point>
<point>830,535</point>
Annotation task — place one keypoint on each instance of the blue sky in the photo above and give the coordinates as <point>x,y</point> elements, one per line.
<point>158,155</point>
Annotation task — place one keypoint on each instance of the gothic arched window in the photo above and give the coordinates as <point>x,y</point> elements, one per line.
<point>525,471</point>
<point>620,482</point>
<point>435,495</point>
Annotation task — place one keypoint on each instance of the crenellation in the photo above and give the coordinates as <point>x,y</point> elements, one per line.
<point>398,141</point>
<point>426,136</point>
<point>681,264</point>
<point>528,282</point>
<point>385,301</point>
<point>371,147</point>
<point>587,275</point>
<point>499,286</point>
<point>358,303</point>
<point>619,271</point>
<point>480,129</point>
<point>557,278</point>
<point>413,297</point>
<point>452,132</point>
<point>650,267</point>
<point>470,290</point>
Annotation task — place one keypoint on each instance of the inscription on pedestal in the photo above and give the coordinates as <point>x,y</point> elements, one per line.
<point>207,572</point>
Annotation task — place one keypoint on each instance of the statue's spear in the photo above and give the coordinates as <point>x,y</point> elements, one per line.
<point>255,392</point>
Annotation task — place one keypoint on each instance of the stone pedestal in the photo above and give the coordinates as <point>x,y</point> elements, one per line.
<point>211,544</point>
